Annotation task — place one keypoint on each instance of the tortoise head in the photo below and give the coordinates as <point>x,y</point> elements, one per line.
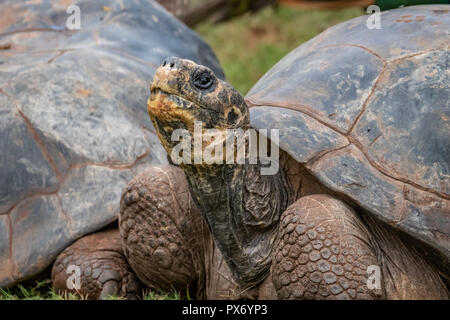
<point>183,92</point>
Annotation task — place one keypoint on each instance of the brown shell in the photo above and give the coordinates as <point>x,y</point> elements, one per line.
<point>74,128</point>
<point>367,112</point>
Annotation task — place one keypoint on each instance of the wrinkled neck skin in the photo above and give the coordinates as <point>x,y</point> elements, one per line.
<point>242,208</point>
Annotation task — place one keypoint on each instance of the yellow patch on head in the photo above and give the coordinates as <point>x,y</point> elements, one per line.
<point>160,106</point>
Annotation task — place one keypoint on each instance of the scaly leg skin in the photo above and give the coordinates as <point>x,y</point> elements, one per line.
<point>103,269</point>
<point>324,249</point>
<point>163,232</point>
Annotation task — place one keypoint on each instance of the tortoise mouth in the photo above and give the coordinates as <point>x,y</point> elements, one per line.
<point>183,103</point>
<point>178,101</point>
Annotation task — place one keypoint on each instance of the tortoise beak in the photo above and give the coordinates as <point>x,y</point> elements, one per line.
<point>170,74</point>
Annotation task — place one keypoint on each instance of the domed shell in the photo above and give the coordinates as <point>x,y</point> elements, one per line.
<point>74,128</point>
<point>367,111</point>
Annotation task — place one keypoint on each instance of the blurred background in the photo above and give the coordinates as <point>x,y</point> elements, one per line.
<point>250,36</point>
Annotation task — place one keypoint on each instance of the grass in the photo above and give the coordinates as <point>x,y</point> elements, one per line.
<point>42,290</point>
<point>249,45</point>
<point>152,295</point>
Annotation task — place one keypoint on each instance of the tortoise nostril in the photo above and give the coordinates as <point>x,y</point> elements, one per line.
<point>164,63</point>
<point>172,64</point>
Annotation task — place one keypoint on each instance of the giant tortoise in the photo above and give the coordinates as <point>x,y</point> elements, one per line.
<point>360,205</point>
<point>74,128</point>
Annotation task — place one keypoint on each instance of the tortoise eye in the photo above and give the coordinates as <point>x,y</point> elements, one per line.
<point>203,80</point>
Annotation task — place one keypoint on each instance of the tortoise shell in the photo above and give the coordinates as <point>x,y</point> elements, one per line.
<point>367,112</point>
<point>74,127</point>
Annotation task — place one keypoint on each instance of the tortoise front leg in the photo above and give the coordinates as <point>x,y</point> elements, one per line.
<point>162,231</point>
<point>325,250</point>
<point>322,252</point>
<point>98,262</point>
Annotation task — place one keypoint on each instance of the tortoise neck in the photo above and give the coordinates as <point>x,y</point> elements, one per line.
<point>242,209</point>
